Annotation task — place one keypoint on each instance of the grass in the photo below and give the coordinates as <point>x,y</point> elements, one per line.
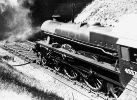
<point>9,76</point>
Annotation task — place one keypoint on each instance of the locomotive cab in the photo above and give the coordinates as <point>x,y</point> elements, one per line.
<point>127,59</point>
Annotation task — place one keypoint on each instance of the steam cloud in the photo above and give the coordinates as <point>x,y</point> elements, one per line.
<point>19,19</point>
<point>15,24</point>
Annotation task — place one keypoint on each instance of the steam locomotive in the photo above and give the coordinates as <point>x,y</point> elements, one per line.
<point>94,55</point>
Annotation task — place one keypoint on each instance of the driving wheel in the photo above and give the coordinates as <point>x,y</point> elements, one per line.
<point>94,82</point>
<point>71,73</point>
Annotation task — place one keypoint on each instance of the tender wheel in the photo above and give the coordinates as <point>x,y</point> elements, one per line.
<point>72,74</point>
<point>94,82</point>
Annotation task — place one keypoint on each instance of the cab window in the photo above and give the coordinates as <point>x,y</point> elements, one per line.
<point>125,53</point>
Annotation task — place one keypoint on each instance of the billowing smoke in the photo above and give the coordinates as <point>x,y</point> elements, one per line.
<point>15,23</point>
<point>19,19</point>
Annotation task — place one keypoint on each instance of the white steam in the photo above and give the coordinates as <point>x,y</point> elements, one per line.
<point>18,20</point>
<point>13,3</point>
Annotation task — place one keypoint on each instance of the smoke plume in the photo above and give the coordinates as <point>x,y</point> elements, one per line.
<point>14,20</point>
<point>19,19</point>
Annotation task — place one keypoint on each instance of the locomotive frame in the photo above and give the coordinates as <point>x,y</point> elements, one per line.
<point>99,60</point>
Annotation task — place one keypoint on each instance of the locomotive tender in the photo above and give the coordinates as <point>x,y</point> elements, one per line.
<point>95,55</point>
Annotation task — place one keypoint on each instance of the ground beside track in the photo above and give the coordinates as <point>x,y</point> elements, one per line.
<point>13,87</point>
<point>130,93</point>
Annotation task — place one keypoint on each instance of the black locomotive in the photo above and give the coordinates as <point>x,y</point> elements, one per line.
<point>95,55</point>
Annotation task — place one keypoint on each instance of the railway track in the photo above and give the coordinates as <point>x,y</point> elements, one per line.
<point>24,51</point>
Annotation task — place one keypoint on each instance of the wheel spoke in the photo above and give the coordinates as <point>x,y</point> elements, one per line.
<point>94,83</point>
<point>57,68</point>
<point>43,61</point>
<point>72,74</point>
<point>99,81</point>
<point>56,65</point>
<point>98,85</point>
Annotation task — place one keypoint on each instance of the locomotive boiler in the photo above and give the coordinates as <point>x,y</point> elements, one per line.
<point>94,55</point>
